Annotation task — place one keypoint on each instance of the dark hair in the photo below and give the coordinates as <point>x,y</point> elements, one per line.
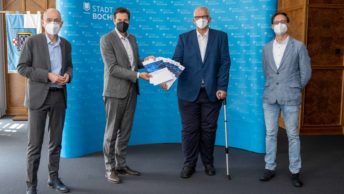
<point>279,13</point>
<point>121,10</point>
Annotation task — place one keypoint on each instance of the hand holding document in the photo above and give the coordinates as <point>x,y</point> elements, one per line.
<point>163,71</point>
<point>161,76</point>
<point>145,76</point>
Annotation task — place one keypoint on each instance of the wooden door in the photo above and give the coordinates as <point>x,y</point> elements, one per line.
<point>323,106</point>
<point>297,13</point>
<point>319,24</point>
<point>15,83</point>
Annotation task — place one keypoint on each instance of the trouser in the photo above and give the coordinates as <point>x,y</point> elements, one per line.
<point>199,122</point>
<point>119,120</point>
<point>290,116</point>
<point>54,107</point>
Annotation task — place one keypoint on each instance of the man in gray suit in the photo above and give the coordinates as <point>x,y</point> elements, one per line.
<point>287,70</point>
<point>121,62</point>
<point>46,61</point>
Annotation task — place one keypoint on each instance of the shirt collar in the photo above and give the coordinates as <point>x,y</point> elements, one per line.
<point>53,43</point>
<point>203,36</point>
<point>120,35</point>
<point>284,42</point>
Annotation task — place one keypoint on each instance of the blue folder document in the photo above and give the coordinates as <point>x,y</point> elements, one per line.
<point>163,70</point>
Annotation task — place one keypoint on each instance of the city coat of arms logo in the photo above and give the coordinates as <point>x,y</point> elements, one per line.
<point>20,39</point>
<point>86,6</point>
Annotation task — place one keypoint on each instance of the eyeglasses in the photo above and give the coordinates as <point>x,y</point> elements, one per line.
<point>57,20</point>
<point>202,16</point>
<point>280,21</point>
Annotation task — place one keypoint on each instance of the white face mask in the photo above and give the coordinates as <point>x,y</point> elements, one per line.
<point>52,28</point>
<point>280,28</point>
<point>201,23</point>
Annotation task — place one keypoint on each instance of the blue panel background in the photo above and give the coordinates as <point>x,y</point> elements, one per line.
<point>157,24</point>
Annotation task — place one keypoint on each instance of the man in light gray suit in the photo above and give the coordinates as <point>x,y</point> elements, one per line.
<point>121,62</point>
<point>47,63</point>
<point>287,70</point>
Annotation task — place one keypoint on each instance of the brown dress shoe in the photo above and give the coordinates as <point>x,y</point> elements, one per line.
<point>112,177</point>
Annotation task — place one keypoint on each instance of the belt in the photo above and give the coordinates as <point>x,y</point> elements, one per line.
<point>54,89</point>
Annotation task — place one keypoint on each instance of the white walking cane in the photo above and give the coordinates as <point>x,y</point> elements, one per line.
<point>226,137</point>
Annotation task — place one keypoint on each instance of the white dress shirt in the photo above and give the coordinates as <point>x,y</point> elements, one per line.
<point>202,42</point>
<point>128,49</point>
<point>278,51</point>
<point>55,55</point>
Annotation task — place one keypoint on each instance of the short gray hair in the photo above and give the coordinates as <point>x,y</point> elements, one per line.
<point>201,7</point>
<point>45,14</point>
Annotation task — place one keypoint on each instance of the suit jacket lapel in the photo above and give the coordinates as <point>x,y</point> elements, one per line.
<point>287,51</point>
<point>196,46</point>
<point>63,55</point>
<point>46,51</point>
<point>271,56</point>
<point>133,47</point>
<point>118,42</point>
<point>209,44</point>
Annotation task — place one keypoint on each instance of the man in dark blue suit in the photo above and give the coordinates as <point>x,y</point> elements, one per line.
<point>203,84</point>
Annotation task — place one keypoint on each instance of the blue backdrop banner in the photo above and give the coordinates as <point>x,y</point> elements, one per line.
<point>156,25</point>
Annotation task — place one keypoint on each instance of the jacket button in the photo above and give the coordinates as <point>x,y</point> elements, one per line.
<point>277,73</point>
<point>277,83</point>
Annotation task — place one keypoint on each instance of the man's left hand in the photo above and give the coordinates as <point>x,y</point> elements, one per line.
<point>163,86</point>
<point>149,58</point>
<point>221,95</point>
<point>65,79</point>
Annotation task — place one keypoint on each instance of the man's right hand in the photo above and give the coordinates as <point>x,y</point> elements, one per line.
<point>163,86</point>
<point>56,79</point>
<point>145,76</point>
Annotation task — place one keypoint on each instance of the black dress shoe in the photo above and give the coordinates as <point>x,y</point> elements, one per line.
<point>187,172</point>
<point>209,170</point>
<point>58,185</point>
<point>295,180</point>
<point>268,175</point>
<point>127,171</point>
<point>112,177</point>
<point>31,190</point>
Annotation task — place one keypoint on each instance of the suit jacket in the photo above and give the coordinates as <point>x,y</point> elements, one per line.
<point>118,76</point>
<point>284,85</point>
<point>34,63</point>
<point>214,70</point>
